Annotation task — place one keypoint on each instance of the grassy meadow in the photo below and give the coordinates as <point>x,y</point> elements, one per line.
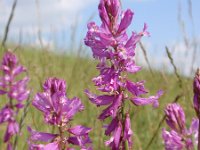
<point>78,73</point>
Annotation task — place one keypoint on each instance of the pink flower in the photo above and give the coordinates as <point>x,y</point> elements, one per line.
<point>172,140</point>
<point>175,117</point>
<point>127,130</point>
<point>179,137</point>
<point>196,89</point>
<point>115,51</point>
<point>13,84</point>
<point>12,129</point>
<point>58,110</point>
<point>8,82</point>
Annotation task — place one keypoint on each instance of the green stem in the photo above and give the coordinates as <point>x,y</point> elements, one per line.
<point>123,118</point>
<point>63,147</point>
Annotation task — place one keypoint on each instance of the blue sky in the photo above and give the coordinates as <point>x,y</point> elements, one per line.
<point>56,19</point>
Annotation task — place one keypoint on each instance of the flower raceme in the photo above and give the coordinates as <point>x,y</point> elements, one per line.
<point>9,85</point>
<point>16,92</point>
<point>115,51</point>
<point>196,99</point>
<point>179,137</point>
<point>58,111</point>
<point>196,89</point>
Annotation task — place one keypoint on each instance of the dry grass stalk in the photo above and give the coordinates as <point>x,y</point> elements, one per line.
<point>174,66</point>
<point>3,44</point>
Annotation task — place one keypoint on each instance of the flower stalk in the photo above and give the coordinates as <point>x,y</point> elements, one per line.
<point>115,51</point>
<point>58,111</point>
<point>196,100</point>
<point>179,137</point>
<point>16,92</point>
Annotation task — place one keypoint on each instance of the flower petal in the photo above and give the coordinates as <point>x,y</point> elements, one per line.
<point>79,130</point>
<point>100,100</point>
<point>145,101</point>
<point>126,20</point>
<point>41,136</point>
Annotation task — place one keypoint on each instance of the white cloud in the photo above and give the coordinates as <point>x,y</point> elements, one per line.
<point>53,15</point>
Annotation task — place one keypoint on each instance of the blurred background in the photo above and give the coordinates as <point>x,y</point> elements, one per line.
<point>47,36</point>
<point>60,26</point>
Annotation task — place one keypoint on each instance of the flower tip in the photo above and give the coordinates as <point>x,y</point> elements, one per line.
<point>160,93</point>
<point>145,32</point>
<point>29,129</point>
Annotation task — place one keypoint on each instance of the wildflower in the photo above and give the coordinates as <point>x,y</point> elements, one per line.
<point>16,92</point>
<point>196,100</point>
<point>58,111</point>
<point>115,51</point>
<point>175,117</point>
<point>15,89</point>
<point>196,89</point>
<point>179,137</point>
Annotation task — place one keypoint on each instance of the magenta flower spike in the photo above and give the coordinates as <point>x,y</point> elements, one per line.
<point>175,117</point>
<point>14,86</point>
<point>196,89</point>
<point>58,111</point>
<point>196,100</point>
<point>115,51</point>
<point>179,137</point>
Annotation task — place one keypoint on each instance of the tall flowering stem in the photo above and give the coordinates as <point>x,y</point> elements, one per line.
<point>179,138</point>
<point>115,52</point>
<point>58,111</point>
<point>16,92</point>
<point>196,101</point>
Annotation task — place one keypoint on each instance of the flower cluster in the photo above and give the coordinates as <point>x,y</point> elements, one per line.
<point>115,51</point>
<point>16,92</point>
<point>196,89</point>
<point>179,137</point>
<point>196,100</point>
<point>58,111</point>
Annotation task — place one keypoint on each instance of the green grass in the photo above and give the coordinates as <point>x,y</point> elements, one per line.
<point>78,73</point>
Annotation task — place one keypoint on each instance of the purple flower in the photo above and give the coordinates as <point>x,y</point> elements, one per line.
<point>8,83</point>
<point>58,110</point>
<point>115,51</point>
<point>138,101</point>
<point>12,129</point>
<point>114,141</point>
<point>137,88</point>
<point>179,137</point>
<point>100,100</point>
<point>172,140</point>
<point>194,130</point>
<point>49,146</point>
<point>125,21</point>
<point>79,130</point>
<point>53,85</point>
<point>41,136</point>
<point>54,104</point>
<point>19,90</point>
<point>175,117</point>
<point>13,84</point>
<point>196,100</point>
<point>6,114</point>
<point>111,127</point>
<point>196,89</point>
<point>112,109</point>
<point>127,130</point>
<point>9,146</point>
<point>81,141</point>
